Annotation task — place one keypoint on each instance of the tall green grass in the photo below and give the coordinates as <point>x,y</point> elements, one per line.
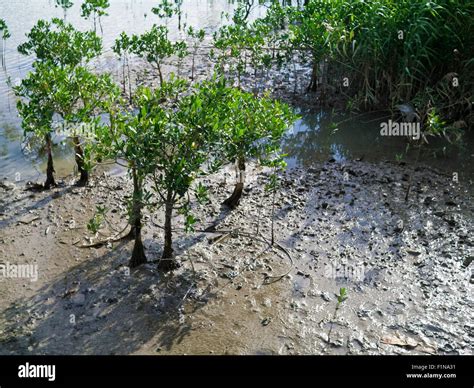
<point>391,51</point>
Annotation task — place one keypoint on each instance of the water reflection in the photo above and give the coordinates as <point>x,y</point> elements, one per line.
<point>131,16</point>
<point>320,136</point>
<point>313,138</point>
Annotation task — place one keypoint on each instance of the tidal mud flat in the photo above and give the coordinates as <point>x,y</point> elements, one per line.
<point>406,268</point>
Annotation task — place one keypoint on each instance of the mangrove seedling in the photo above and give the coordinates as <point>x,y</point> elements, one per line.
<point>65,5</point>
<point>96,9</point>
<point>182,141</point>
<point>4,35</point>
<point>341,298</point>
<point>251,127</point>
<point>97,222</point>
<point>310,33</point>
<point>61,44</point>
<point>197,37</point>
<point>121,140</point>
<point>36,110</point>
<point>272,188</point>
<point>155,47</point>
<point>123,48</point>
<point>76,94</point>
<point>166,10</point>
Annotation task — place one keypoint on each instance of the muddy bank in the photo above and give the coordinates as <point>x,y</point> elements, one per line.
<point>406,267</point>
<point>287,85</point>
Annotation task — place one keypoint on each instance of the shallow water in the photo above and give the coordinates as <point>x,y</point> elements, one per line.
<point>320,136</point>
<point>131,16</point>
<point>312,139</point>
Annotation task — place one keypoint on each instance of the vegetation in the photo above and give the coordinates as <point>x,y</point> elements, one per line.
<point>61,44</point>
<point>158,142</point>
<point>174,138</point>
<point>341,298</point>
<point>390,54</point>
<point>379,54</point>
<point>75,95</point>
<point>36,110</point>
<point>123,140</point>
<point>95,9</point>
<point>372,55</point>
<point>157,128</point>
<point>4,35</point>
<point>197,37</point>
<point>155,47</point>
<point>252,128</point>
<point>182,148</point>
<point>65,5</point>
<point>61,85</point>
<point>123,47</point>
<point>167,9</point>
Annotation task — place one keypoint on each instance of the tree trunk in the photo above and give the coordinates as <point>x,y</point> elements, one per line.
<point>160,74</point>
<point>1,52</point>
<point>167,262</point>
<point>273,216</point>
<point>50,167</point>
<point>248,8</point>
<point>234,200</point>
<point>124,77</point>
<point>313,85</point>
<point>138,254</point>
<point>79,155</point>
<point>130,95</point>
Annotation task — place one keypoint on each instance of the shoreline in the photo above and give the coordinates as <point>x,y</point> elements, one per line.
<point>406,285</point>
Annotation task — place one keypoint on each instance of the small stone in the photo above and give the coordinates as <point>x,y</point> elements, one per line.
<point>428,201</point>
<point>267,302</point>
<point>28,219</point>
<point>325,296</point>
<point>78,299</point>
<point>266,321</point>
<point>467,261</point>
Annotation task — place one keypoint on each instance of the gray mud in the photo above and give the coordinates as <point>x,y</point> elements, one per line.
<point>406,267</point>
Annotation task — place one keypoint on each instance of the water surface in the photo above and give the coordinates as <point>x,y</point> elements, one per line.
<point>131,16</point>
<point>312,139</point>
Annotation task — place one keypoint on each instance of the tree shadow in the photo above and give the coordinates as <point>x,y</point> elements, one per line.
<point>97,308</point>
<point>185,240</point>
<point>47,197</point>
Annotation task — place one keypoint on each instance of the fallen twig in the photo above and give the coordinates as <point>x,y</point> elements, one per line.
<point>117,238</point>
